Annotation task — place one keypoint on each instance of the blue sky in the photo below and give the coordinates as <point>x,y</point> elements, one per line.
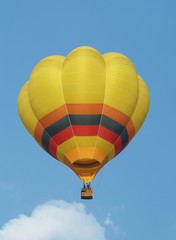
<point>142,204</point>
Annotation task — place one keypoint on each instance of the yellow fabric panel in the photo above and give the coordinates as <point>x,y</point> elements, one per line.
<point>105,146</point>
<point>45,89</point>
<point>83,170</point>
<point>142,105</point>
<point>68,145</point>
<point>86,152</point>
<point>84,76</point>
<point>122,83</point>
<point>71,147</point>
<point>99,154</point>
<point>73,155</point>
<point>101,146</point>
<point>26,114</point>
<point>111,154</point>
<point>85,141</point>
<point>60,155</point>
<point>85,178</point>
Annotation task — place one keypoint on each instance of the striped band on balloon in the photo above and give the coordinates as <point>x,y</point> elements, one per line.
<point>83,120</point>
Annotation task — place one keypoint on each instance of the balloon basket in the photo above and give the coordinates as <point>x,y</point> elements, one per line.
<point>86,193</point>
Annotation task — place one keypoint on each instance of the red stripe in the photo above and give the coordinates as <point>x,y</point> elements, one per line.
<point>63,136</point>
<point>59,139</point>
<point>92,166</point>
<point>108,135</point>
<point>118,146</point>
<point>85,130</point>
<point>52,148</point>
<point>67,133</point>
<point>112,138</point>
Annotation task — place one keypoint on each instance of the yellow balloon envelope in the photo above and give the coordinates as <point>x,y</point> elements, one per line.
<point>85,108</point>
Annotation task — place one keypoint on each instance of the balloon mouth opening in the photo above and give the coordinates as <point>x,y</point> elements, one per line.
<point>86,168</point>
<point>86,163</point>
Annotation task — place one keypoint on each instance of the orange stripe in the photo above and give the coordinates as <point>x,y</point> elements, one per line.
<point>115,115</point>
<point>131,130</point>
<point>106,160</point>
<point>38,133</point>
<point>89,171</point>
<point>67,162</point>
<point>99,154</point>
<point>86,152</point>
<point>54,116</point>
<point>120,118</point>
<point>85,108</point>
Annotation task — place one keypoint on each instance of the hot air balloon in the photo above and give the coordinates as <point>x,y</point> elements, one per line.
<point>84,109</point>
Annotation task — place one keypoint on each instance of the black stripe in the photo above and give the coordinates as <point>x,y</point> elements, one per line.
<point>85,164</point>
<point>58,126</point>
<point>45,140</point>
<point>117,128</point>
<point>85,120</point>
<point>53,130</point>
<point>112,125</point>
<point>124,137</point>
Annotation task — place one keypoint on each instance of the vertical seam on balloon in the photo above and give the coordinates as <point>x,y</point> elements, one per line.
<point>125,125</point>
<point>68,113</point>
<point>121,133</point>
<point>42,125</point>
<point>102,112</point>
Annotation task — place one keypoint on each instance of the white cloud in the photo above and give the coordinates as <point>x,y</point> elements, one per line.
<point>55,220</point>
